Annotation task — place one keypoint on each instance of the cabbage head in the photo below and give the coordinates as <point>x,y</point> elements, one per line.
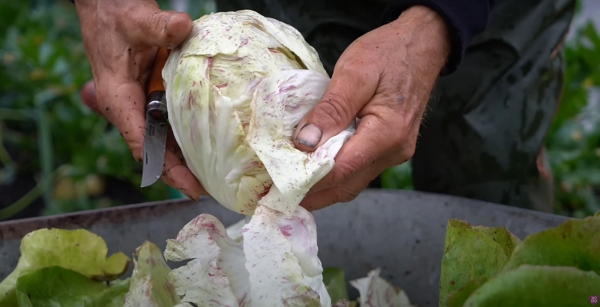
<point>236,89</point>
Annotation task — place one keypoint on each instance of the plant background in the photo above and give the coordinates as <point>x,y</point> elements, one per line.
<point>57,156</point>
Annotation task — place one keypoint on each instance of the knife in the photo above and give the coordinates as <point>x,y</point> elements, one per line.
<point>157,125</point>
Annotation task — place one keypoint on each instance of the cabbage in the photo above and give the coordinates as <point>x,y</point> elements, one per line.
<point>276,263</point>
<point>376,291</point>
<point>151,283</point>
<point>80,251</point>
<point>236,88</point>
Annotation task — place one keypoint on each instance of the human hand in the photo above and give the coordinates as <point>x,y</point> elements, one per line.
<point>384,78</point>
<point>121,39</point>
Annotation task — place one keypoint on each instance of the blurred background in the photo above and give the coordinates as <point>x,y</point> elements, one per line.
<point>57,156</point>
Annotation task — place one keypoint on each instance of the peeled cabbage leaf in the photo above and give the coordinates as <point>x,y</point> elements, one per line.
<point>235,231</point>
<point>282,260</point>
<point>56,286</point>
<point>236,88</point>
<point>216,274</point>
<point>151,284</point>
<point>275,264</point>
<point>376,291</point>
<point>79,250</point>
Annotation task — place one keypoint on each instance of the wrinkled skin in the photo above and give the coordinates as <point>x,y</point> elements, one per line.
<point>366,83</point>
<point>121,39</point>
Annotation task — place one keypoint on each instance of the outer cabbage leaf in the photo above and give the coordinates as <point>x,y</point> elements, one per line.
<point>151,284</point>
<point>78,250</point>
<point>281,101</point>
<point>376,291</point>
<point>55,286</point>
<point>458,298</point>
<point>234,231</point>
<point>574,243</point>
<point>282,260</point>
<point>236,88</point>
<point>530,285</point>
<point>472,253</point>
<point>335,282</point>
<point>276,263</point>
<point>216,275</point>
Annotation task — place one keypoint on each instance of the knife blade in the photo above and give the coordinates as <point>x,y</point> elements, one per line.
<point>157,125</point>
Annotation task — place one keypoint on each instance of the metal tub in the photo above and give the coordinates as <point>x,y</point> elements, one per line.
<point>402,232</point>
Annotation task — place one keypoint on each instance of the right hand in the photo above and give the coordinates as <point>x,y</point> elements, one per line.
<point>121,39</point>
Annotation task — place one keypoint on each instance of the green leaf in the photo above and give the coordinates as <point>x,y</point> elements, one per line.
<point>458,298</point>
<point>78,250</point>
<point>575,243</point>
<point>56,286</point>
<point>472,253</point>
<point>537,286</point>
<point>151,284</point>
<point>398,177</point>
<point>335,282</point>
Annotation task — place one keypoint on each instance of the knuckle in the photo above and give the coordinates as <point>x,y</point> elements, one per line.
<point>351,65</point>
<point>409,151</point>
<point>333,109</point>
<point>345,195</point>
<point>345,171</point>
<point>136,150</point>
<point>159,20</point>
<point>401,156</point>
<point>402,139</point>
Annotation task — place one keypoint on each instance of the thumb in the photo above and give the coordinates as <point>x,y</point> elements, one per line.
<point>148,25</point>
<point>347,93</point>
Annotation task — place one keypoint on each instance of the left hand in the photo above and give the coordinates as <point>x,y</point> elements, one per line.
<point>121,39</point>
<point>385,78</point>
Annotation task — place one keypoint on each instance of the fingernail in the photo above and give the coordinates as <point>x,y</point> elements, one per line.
<point>192,198</point>
<point>309,135</point>
<point>189,196</point>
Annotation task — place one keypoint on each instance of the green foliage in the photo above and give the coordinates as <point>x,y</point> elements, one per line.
<point>56,286</point>
<point>574,142</point>
<point>74,154</point>
<point>486,266</point>
<point>45,130</point>
<point>398,177</point>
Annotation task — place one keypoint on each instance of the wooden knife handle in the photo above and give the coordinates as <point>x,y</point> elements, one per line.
<point>156,81</point>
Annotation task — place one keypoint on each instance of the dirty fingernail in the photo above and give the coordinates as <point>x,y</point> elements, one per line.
<point>190,197</point>
<point>309,135</point>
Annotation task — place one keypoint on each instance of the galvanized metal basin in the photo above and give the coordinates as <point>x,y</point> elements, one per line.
<point>401,232</point>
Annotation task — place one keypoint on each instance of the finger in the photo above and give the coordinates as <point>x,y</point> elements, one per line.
<point>148,25</point>
<point>345,96</point>
<point>88,96</point>
<point>377,135</point>
<point>123,105</point>
<point>131,122</point>
<point>177,175</point>
<point>349,190</point>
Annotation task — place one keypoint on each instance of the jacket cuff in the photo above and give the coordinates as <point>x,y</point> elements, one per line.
<point>465,19</point>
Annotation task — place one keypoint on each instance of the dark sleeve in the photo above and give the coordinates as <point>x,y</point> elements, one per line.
<point>465,19</point>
